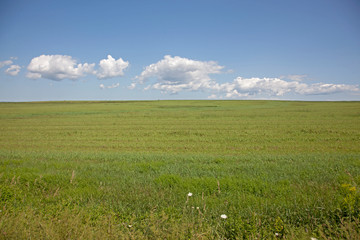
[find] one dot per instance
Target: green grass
(88, 170)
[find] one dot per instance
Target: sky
(179, 49)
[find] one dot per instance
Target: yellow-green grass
(90, 169)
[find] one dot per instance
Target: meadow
(180, 170)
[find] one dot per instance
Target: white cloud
(110, 67)
(213, 96)
(13, 70)
(251, 86)
(132, 86)
(326, 88)
(174, 74)
(115, 85)
(57, 67)
(242, 87)
(5, 63)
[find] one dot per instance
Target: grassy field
(124, 170)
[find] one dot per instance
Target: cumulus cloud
(58, 67)
(213, 96)
(174, 74)
(326, 88)
(115, 85)
(132, 86)
(13, 70)
(5, 63)
(242, 87)
(111, 68)
(251, 86)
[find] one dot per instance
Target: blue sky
(135, 50)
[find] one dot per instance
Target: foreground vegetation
(255, 170)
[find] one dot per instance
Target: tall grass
(83, 170)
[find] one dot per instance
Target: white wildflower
(277, 234)
(223, 216)
(130, 226)
(189, 194)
